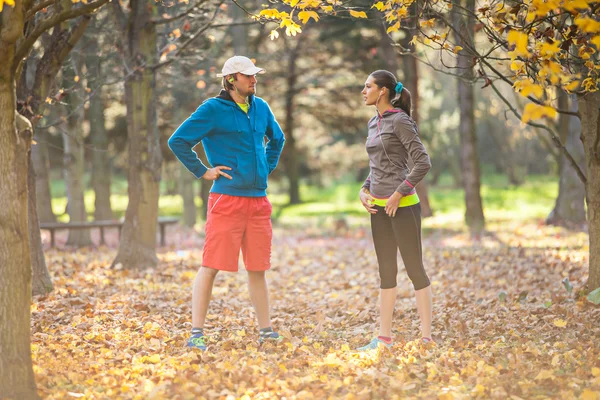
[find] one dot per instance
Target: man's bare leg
(259, 295)
(203, 284)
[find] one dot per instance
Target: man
(232, 128)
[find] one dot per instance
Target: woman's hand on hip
(367, 201)
(392, 204)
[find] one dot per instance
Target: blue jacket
(232, 138)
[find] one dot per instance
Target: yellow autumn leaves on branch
(549, 43)
(9, 2)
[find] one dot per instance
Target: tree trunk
(290, 152)
(589, 109)
(239, 33)
(289, 156)
(187, 185)
(569, 209)
(41, 281)
(137, 248)
(41, 167)
(204, 193)
(468, 137)
(101, 167)
(16, 370)
(73, 158)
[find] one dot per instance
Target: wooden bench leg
(102, 236)
(52, 243)
(162, 234)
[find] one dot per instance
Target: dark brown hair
(400, 100)
(226, 84)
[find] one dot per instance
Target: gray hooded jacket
(392, 139)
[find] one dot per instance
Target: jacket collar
(224, 95)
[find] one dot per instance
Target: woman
(389, 196)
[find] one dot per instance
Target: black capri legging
(403, 231)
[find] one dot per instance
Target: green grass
(534, 199)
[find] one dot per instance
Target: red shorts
(235, 222)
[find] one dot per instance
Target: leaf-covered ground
(505, 325)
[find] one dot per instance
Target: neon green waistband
(405, 201)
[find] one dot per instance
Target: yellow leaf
(588, 395)
(445, 396)
(560, 323)
(394, 28)
(327, 9)
(572, 5)
(270, 13)
(527, 88)
(358, 14)
(478, 390)
(517, 65)
(534, 111)
(309, 4)
(588, 24)
(291, 28)
(306, 15)
(9, 2)
(274, 34)
(176, 32)
(48, 99)
(596, 41)
(549, 49)
(379, 6)
(153, 359)
(457, 49)
(596, 371)
(544, 374)
(427, 24)
(520, 41)
(571, 86)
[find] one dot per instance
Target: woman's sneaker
(374, 344)
(270, 336)
(196, 341)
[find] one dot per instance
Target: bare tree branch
(25, 47)
(40, 6)
(553, 135)
(178, 16)
(187, 43)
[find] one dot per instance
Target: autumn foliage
(505, 325)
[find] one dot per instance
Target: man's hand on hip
(212, 174)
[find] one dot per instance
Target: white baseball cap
(240, 64)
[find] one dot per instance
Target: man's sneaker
(374, 344)
(196, 341)
(269, 337)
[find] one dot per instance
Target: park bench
(55, 226)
